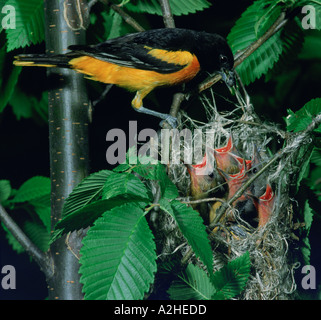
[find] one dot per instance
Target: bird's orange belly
(131, 78)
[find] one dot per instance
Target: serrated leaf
(42, 207)
(193, 284)
(118, 258)
(292, 38)
(29, 24)
(231, 279)
(306, 250)
(124, 184)
(168, 188)
(191, 225)
(85, 192)
(316, 157)
(147, 171)
(5, 190)
(122, 167)
(248, 28)
(165, 205)
(13, 242)
(33, 188)
(178, 7)
(38, 234)
(86, 215)
(304, 167)
(300, 120)
(311, 47)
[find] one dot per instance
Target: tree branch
(127, 18)
(42, 259)
(167, 14)
(241, 56)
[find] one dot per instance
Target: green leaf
(308, 216)
(178, 7)
(105, 24)
(230, 280)
(37, 234)
(86, 215)
(124, 184)
(193, 284)
(118, 258)
(312, 46)
(168, 188)
(147, 171)
(33, 188)
(122, 167)
(306, 250)
(87, 191)
(5, 190)
(292, 38)
(42, 207)
(8, 78)
(304, 167)
(191, 225)
(300, 120)
(25, 106)
(116, 24)
(248, 28)
(13, 242)
(2, 60)
(316, 157)
(21, 104)
(29, 24)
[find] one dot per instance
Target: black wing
(133, 50)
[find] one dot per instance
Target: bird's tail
(43, 60)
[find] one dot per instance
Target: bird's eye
(223, 59)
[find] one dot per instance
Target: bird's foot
(172, 121)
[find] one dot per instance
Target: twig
(42, 259)
(276, 26)
(203, 200)
(127, 18)
(167, 14)
(177, 100)
(240, 57)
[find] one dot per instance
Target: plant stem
(127, 18)
(42, 259)
(167, 14)
(240, 57)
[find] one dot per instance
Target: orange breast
(137, 79)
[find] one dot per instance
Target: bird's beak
(228, 77)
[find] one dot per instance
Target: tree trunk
(68, 138)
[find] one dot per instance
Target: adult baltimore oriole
(143, 61)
